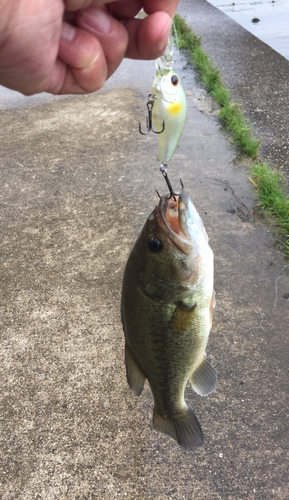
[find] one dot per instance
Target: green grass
(273, 196)
(230, 113)
(270, 183)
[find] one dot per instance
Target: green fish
(167, 311)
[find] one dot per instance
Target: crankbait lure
(167, 106)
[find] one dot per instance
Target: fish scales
(167, 304)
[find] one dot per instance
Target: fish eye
(155, 245)
(174, 80)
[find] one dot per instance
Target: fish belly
(165, 343)
(166, 355)
(154, 351)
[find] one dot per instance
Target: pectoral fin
(204, 379)
(134, 375)
(182, 317)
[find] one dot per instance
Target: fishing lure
(167, 106)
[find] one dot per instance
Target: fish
(167, 311)
(169, 108)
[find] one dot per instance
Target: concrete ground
(77, 183)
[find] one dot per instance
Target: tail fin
(185, 429)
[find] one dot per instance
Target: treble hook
(149, 121)
(164, 172)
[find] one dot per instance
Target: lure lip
(178, 239)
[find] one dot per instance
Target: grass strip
(269, 181)
(230, 113)
(273, 196)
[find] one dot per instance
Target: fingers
(148, 37)
(126, 9)
(111, 34)
(151, 6)
(88, 53)
(93, 42)
(84, 56)
(74, 5)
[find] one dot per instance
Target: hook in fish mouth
(164, 172)
(172, 211)
(163, 169)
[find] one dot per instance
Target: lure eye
(155, 245)
(174, 80)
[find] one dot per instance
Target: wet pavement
(266, 19)
(77, 183)
(256, 75)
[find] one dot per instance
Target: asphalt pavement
(77, 184)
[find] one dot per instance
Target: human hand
(74, 46)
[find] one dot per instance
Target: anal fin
(204, 379)
(184, 428)
(134, 375)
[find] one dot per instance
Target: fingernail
(97, 20)
(67, 32)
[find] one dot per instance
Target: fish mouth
(173, 224)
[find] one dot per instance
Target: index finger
(73, 5)
(127, 9)
(168, 6)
